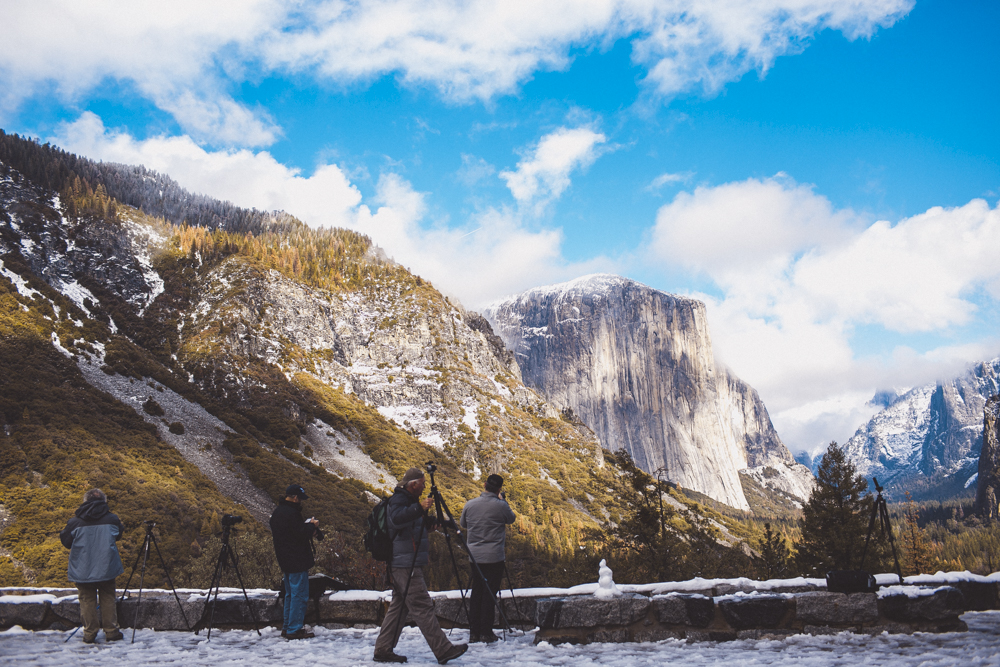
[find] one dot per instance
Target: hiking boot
(489, 638)
(301, 633)
(455, 651)
(90, 640)
(389, 657)
(114, 636)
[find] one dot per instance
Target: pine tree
(835, 518)
(916, 554)
(774, 554)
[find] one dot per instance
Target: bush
(176, 428)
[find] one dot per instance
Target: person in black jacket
(94, 562)
(292, 535)
(409, 527)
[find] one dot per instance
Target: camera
(231, 519)
(431, 468)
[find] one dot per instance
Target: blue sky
(824, 174)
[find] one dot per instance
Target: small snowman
(606, 588)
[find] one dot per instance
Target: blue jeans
(296, 599)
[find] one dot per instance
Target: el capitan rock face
(636, 366)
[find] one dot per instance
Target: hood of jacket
(92, 510)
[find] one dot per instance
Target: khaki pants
(108, 617)
(418, 602)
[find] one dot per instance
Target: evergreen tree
(774, 555)
(916, 553)
(835, 519)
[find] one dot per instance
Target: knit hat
(411, 475)
(494, 483)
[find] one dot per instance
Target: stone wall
(722, 611)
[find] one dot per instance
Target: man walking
(485, 520)
(409, 527)
(94, 563)
(292, 546)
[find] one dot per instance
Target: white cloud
(180, 55)
(188, 56)
(667, 179)
(797, 277)
(491, 255)
(544, 174)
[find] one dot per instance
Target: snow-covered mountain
(928, 439)
(636, 365)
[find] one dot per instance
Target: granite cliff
(636, 365)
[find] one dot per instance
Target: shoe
(389, 657)
(452, 653)
(114, 636)
(302, 633)
(284, 634)
(489, 638)
(89, 640)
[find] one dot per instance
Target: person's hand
(427, 502)
(314, 522)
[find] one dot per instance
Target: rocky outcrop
(928, 439)
(636, 366)
(988, 488)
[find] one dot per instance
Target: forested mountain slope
(193, 358)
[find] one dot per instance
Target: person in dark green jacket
(94, 562)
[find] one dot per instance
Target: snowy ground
(343, 648)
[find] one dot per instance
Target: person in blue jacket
(91, 537)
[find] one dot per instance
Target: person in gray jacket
(485, 520)
(410, 528)
(94, 562)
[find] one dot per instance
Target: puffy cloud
(186, 55)
(797, 279)
(544, 174)
(492, 254)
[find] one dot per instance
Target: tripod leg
(458, 576)
(246, 598)
(132, 574)
(884, 510)
(169, 581)
(868, 537)
(220, 564)
(510, 585)
(142, 579)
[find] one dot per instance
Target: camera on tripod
(431, 468)
(231, 519)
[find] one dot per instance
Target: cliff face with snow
(928, 440)
(636, 365)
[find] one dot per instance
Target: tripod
(881, 512)
(447, 522)
(144, 553)
(227, 556)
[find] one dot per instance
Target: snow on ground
(348, 647)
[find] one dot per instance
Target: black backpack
(377, 540)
